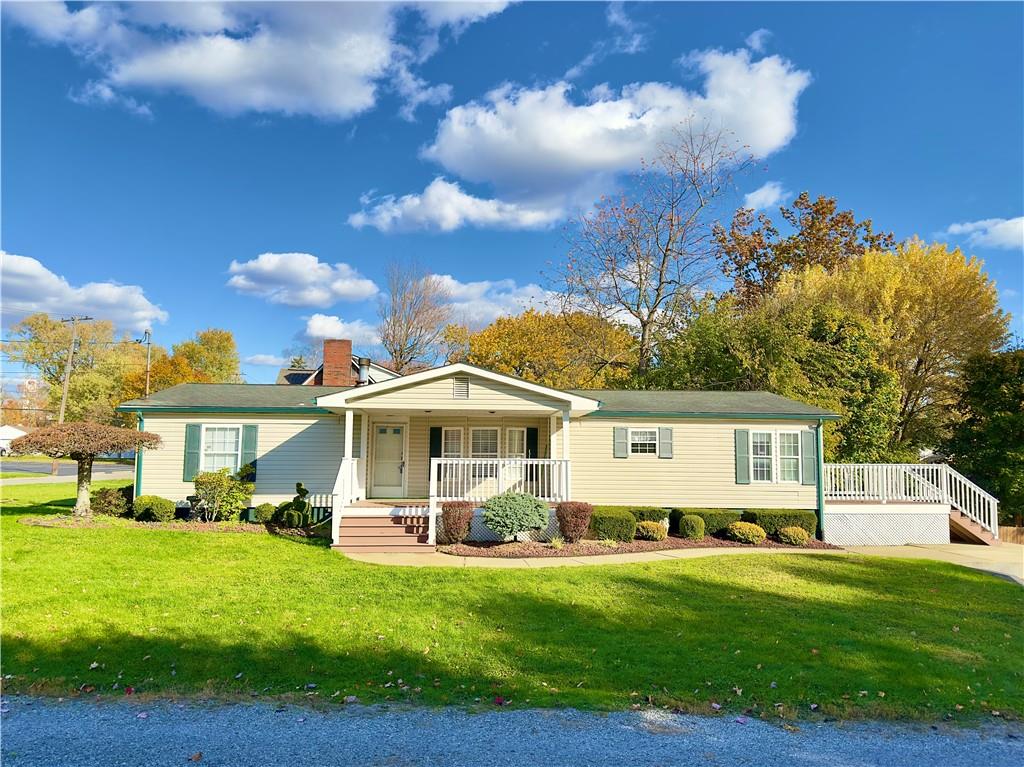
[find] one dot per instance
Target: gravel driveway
(79, 732)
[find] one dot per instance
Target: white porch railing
(477, 479)
(911, 483)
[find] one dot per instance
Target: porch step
(963, 527)
(384, 533)
(377, 548)
(382, 521)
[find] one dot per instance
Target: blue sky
(148, 148)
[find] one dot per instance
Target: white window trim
(202, 444)
(776, 457)
(629, 442)
(444, 440)
(508, 431)
(472, 431)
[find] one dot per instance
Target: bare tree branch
(413, 316)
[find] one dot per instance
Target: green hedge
(640, 513)
(611, 522)
(651, 531)
(715, 520)
(690, 526)
(745, 532)
(773, 520)
(153, 508)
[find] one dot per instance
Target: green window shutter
(532, 435)
(809, 457)
(664, 442)
(742, 456)
(435, 441)
(193, 437)
(620, 442)
(250, 439)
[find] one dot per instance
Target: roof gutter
(720, 416)
(221, 409)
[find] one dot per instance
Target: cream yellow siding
(438, 394)
(701, 473)
(290, 449)
(417, 459)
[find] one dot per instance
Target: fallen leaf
(238, 675)
(93, 665)
(715, 706)
(741, 720)
(196, 757)
(129, 690)
(142, 715)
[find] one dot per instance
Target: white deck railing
(911, 483)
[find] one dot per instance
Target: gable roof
(236, 398)
(756, 404)
(294, 376)
(301, 376)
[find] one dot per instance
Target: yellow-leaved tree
(930, 308)
(564, 351)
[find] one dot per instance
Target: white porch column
(350, 420)
(552, 422)
(566, 455)
(364, 440)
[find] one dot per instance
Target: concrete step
(967, 529)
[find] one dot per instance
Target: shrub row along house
(380, 452)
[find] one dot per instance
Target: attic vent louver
(460, 387)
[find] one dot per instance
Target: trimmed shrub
(612, 524)
(128, 492)
(715, 520)
(773, 520)
(640, 513)
(456, 517)
(293, 518)
(746, 532)
(691, 526)
(793, 536)
(509, 514)
(264, 512)
(573, 519)
(279, 511)
(651, 531)
(222, 495)
(109, 501)
(153, 508)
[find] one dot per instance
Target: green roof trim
(716, 415)
(225, 409)
(616, 403)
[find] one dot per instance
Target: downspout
(821, 479)
(138, 459)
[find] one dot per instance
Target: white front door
(388, 461)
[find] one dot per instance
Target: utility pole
(147, 339)
(74, 320)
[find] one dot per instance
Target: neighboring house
(8, 433)
(384, 455)
(337, 352)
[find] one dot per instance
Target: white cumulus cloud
(299, 279)
(766, 196)
(479, 303)
(547, 150)
(321, 326)
(266, 360)
(328, 60)
(444, 206)
(1004, 233)
(758, 40)
(30, 287)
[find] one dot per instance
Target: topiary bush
(691, 526)
(264, 513)
(293, 518)
(715, 520)
(793, 536)
(611, 523)
(773, 520)
(640, 513)
(746, 532)
(509, 514)
(109, 501)
(573, 519)
(456, 518)
(153, 508)
(651, 531)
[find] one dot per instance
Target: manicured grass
(170, 612)
(19, 474)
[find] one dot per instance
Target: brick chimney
(337, 363)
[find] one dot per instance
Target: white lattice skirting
(478, 531)
(885, 524)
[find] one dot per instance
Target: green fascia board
(716, 416)
(222, 409)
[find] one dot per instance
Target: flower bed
(589, 548)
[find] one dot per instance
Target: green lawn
(183, 613)
(18, 474)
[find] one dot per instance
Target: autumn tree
(986, 441)
(212, 354)
(165, 372)
(755, 255)
(82, 441)
(413, 315)
(642, 257)
(930, 309)
(29, 407)
(564, 351)
(455, 343)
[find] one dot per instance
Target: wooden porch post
(567, 490)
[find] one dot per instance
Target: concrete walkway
(1005, 559)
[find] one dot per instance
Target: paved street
(64, 468)
(84, 733)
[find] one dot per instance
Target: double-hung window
(789, 456)
(515, 442)
(643, 441)
(483, 443)
(761, 456)
(451, 442)
(222, 447)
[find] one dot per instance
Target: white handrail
(477, 479)
(912, 483)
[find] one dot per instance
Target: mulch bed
(99, 520)
(516, 550)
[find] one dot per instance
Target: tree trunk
(82, 506)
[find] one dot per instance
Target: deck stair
(966, 529)
(396, 532)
